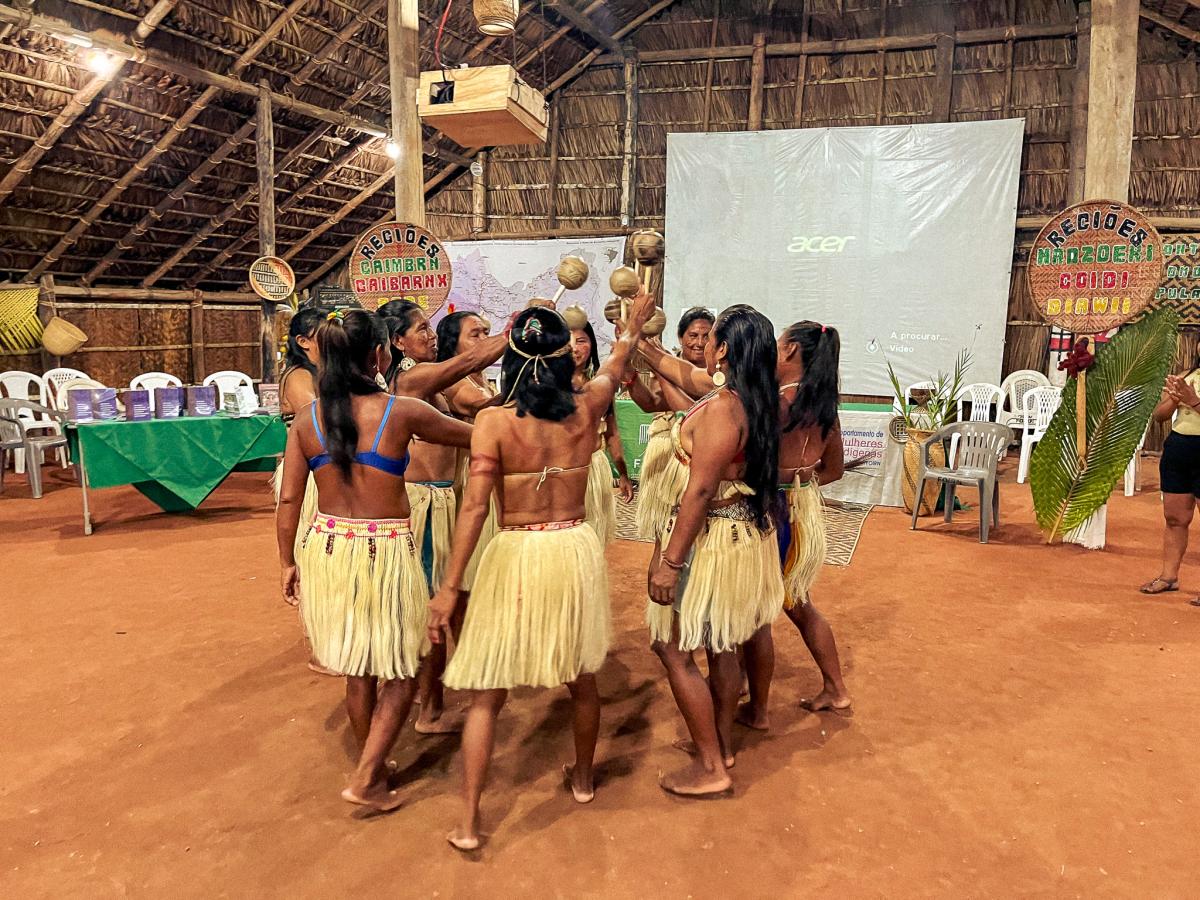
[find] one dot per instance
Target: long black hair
(593, 363)
(398, 316)
(347, 341)
(691, 315)
(537, 375)
(816, 401)
(751, 355)
(448, 332)
(303, 324)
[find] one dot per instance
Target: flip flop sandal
(1195, 601)
(1169, 585)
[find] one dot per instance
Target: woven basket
(912, 462)
(61, 338)
(497, 18)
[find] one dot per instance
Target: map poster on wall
(498, 278)
(1094, 266)
(1180, 288)
(399, 261)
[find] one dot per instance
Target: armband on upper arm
(484, 465)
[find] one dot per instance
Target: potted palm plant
(929, 409)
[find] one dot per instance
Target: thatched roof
(156, 213)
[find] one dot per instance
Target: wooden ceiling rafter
(1177, 28)
(231, 143)
(582, 23)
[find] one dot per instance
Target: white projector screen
(899, 236)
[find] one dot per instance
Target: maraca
(576, 317)
(648, 248)
(572, 275)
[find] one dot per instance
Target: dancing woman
(539, 614)
(601, 507)
(810, 455)
(365, 599)
(416, 372)
(714, 579)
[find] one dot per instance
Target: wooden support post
(197, 336)
(1009, 53)
(629, 148)
(47, 309)
(943, 87)
(1079, 104)
(265, 159)
(479, 193)
(801, 75)
(708, 72)
(552, 175)
(1112, 78)
(404, 70)
(881, 64)
(758, 71)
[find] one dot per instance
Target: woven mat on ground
(843, 525)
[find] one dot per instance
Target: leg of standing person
(368, 785)
(818, 637)
(1178, 510)
(360, 706)
(479, 737)
(725, 683)
(585, 706)
(706, 775)
(759, 653)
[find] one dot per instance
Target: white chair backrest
(54, 379)
(1018, 384)
(18, 385)
(908, 395)
(229, 380)
(1041, 403)
(148, 381)
(62, 399)
(981, 396)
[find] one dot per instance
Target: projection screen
(900, 236)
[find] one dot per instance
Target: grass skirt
(308, 507)
(806, 548)
(430, 503)
(539, 613)
(733, 587)
(364, 597)
(600, 506)
(654, 509)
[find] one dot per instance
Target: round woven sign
(272, 278)
(1094, 266)
(398, 261)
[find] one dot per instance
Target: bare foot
(376, 797)
(697, 782)
(315, 666)
(437, 724)
(581, 789)
(827, 699)
(751, 718)
(689, 747)
(460, 839)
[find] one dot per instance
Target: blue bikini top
(370, 458)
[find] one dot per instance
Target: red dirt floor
(1024, 725)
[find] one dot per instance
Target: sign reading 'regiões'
(1095, 266)
(399, 261)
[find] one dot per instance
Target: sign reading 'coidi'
(1094, 266)
(399, 261)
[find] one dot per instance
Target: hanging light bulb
(102, 63)
(392, 149)
(497, 18)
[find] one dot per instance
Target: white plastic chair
(1131, 470)
(54, 380)
(18, 385)
(64, 392)
(1014, 388)
(148, 381)
(1041, 404)
(228, 380)
(982, 397)
(908, 393)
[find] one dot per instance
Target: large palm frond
(1122, 389)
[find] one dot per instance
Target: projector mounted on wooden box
(485, 106)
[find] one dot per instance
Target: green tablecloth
(176, 463)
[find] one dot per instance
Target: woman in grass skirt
(357, 575)
(539, 614)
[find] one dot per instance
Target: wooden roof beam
(231, 143)
(77, 105)
(163, 144)
(585, 25)
(1163, 22)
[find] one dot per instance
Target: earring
(719, 379)
(407, 363)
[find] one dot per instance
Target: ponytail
(816, 401)
(347, 340)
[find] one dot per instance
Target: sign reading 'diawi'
(399, 261)
(1094, 266)
(901, 237)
